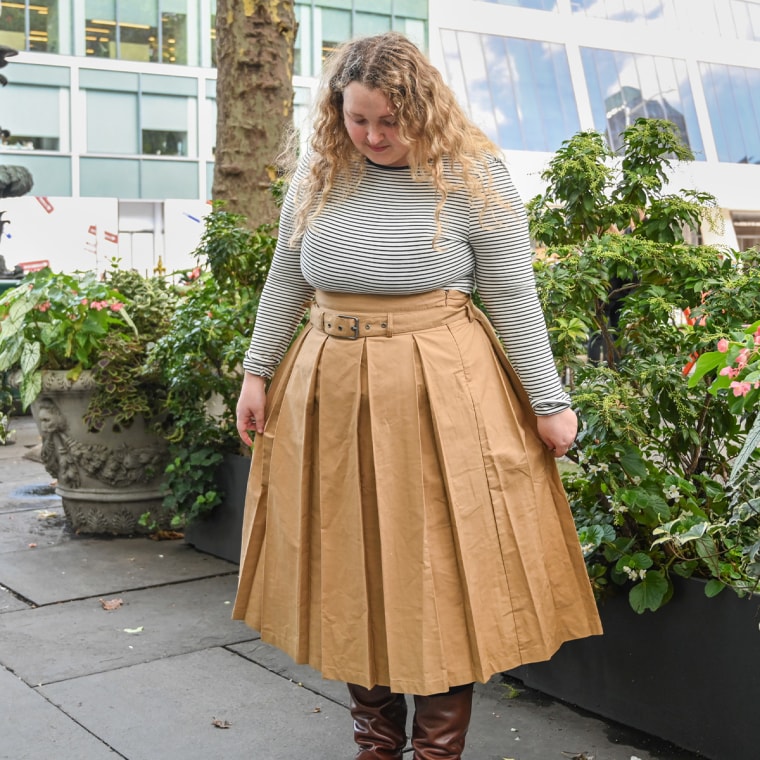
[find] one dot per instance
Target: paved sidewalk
(168, 676)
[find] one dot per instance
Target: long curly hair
(445, 147)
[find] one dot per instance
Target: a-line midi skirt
(405, 525)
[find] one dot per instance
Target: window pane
(21, 108)
(100, 28)
(109, 177)
(169, 179)
(174, 39)
(639, 11)
(370, 23)
(51, 174)
(733, 102)
(518, 91)
(335, 26)
(111, 122)
(165, 125)
(625, 86)
(43, 25)
(138, 30)
(13, 26)
(539, 5)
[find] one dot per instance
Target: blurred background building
(111, 103)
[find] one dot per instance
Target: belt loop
(445, 297)
(389, 330)
(470, 306)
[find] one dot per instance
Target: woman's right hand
(251, 407)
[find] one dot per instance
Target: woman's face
(371, 126)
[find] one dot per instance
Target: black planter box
(688, 673)
(220, 531)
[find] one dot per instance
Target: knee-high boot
(379, 722)
(440, 724)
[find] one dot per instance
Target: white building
(111, 103)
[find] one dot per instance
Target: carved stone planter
(106, 480)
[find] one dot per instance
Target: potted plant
(634, 312)
(76, 343)
(200, 357)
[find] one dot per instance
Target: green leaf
(713, 587)
(706, 363)
(650, 593)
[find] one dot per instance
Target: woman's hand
(558, 431)
(251, 407)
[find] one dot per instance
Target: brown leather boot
(379, 722)
(440, 724)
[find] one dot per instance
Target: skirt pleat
(405, 525)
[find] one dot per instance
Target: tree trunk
(254, 98)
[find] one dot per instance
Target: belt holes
(329, 324)
(340, 327)
(383, 325)
(367, 327)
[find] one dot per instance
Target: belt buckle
(354, 328)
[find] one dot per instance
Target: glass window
(733, 102)
(626, 86)
(518, 91)
(169, 179)
(21, 108)
(51, 174)
(539, 5)
(100, 28)
(641, 11)
(109, 177)
(164, 122)
(138, 30)
(174, 32)
(112, 122)
(26, 25)
(334, 26)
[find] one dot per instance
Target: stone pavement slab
(82, 567)
(9, 603)
(166, 709)
(31, 528)
(37, 730)
(79, 638)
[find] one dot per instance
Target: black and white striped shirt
(379, 239)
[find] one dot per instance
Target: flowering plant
(77, 322)
(653, 481)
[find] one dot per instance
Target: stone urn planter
(106, 480)
(688, 673)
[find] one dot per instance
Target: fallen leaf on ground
(578, 756)
(166, 535)
(219, 723)
(111, 604)
(46, 514)
(133, 630)
(32, 546)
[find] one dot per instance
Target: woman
(406, 530)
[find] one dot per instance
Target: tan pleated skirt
(405, 526)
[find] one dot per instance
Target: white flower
(672, 493)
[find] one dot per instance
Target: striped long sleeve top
(378, 238)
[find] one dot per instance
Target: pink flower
(741, 359)
(740, 388)
(43, 306)
(84, 302)
(116, 306)
(99, 305)
(210, 314)
(723, 345)
(729, 371)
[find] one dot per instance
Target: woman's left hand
(558, 431)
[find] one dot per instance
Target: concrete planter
(106, 480)
(688, 673)
(220, 532)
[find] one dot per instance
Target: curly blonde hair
(445, 147)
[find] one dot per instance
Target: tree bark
(254, 95)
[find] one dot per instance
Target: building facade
(111, 103)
